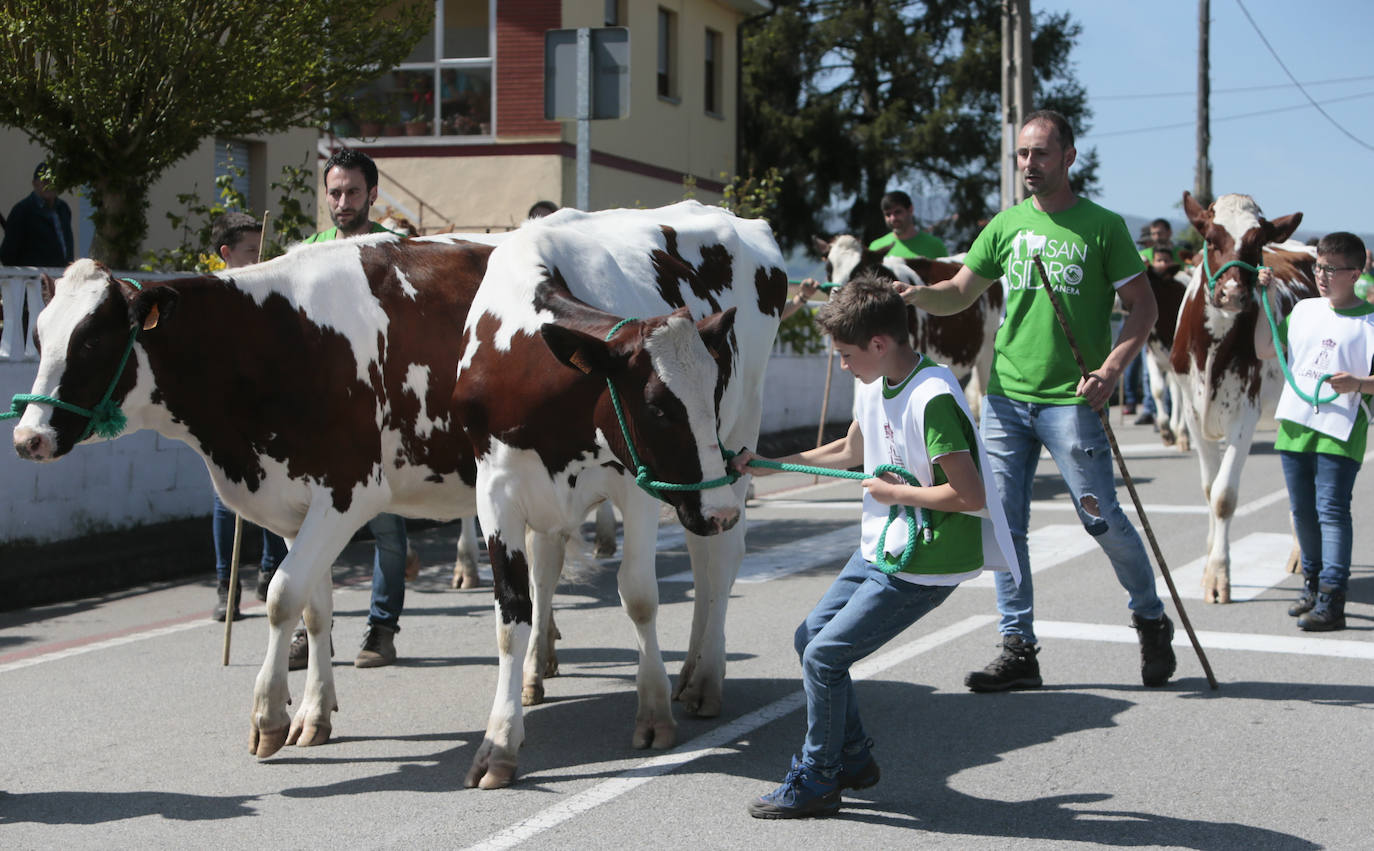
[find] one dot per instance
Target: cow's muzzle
(35, 444)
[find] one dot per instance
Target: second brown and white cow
(665, 317)
(1226, 386)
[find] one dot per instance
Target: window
(667, 54)
(443, 88)
(615, 13)
(713, 72)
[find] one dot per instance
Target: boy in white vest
(909, 413)
(1330, 343)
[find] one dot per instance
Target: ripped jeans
(1014, 432)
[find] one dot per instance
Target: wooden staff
(1125, 474)
(238, 520)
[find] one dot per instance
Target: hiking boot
(1157, 662)
(1146, 418)
(224, 603)
(300, 649)
(803, 794)
(1328, 614)
(379, 647)
(1016, 668)
(1307, 600)
(264, 580)
(858, 770)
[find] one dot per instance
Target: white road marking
(713, 742)
(117, 641)
(1294, 644)
(1258, 563)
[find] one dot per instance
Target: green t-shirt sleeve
(946, 430)
(1121, 259)
(985, 257)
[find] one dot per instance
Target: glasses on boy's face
(1328, 271)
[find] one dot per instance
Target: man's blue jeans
(863, 610)
(1319, 491)
(388, 570)
(222, 528)
(1014, 432)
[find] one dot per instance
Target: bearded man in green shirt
(1037, 396)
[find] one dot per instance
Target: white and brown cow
(1168, 284)
(1225, 385)
(962, 341)
(318, 388)
(677, 309)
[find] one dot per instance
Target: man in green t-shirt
(1036, 395)
(906, 239)
(350, 184)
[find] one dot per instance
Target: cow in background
(1169, 284)
(962, 341)
(1225, 385)
(676, 309)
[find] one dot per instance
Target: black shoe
(223, 602)
(1304, 603)
(264, 580)
(1157, 662)
(1327, 615)
(1146, 418)
(1016, 668)
(858, 770)
(300, 649)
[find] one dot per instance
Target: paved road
(123, 730)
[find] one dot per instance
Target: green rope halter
(1213, 278)
(919, 519)
(105, 419)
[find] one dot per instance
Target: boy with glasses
(1330, 343)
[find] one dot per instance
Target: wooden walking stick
(1130, 483)
(238, 522)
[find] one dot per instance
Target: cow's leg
(546, 564)
(638, 586)
(1178, 415)
(494, 764)
(605, 530)
(465, 566)
(715, 562)
(1159, 388)
(303, 581)
(1216, 576)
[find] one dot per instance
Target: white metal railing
(18, 283)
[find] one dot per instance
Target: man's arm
(1137, 297)
(946, 297)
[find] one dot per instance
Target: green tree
(845, 97)
(118, 90)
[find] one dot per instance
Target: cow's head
(1235, 233)
(82, 337)
(845, 256)
(667, 376)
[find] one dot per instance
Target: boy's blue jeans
(1013, 432)
(863, 610)
(1319, 492)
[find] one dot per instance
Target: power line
(1193, 93)
(1227, 118)
(1357, 140)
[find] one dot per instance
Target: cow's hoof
(659, 735)
(605, 550)
(532, 695)
(466, 582)
(264, 743)
(699, 702)
(551, 666)
(306, 735)
(492, 768)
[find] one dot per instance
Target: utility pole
(1016, 92)
(1202, 180)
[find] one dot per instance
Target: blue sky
(1289, 161)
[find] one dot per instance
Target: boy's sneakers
(1157, 662)
(803, 794)
(858, 770)
(299, 657)
(1016, 668)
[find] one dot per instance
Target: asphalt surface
(123, 730)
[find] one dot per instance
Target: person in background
(905, 239)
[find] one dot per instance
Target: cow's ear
(583, 352)
(820, 246)
(1281, 228)
(47, 286)
(151, 306)
(1197, 214)
(715, 331)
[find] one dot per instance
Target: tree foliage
(119, 90)
(849, 97)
